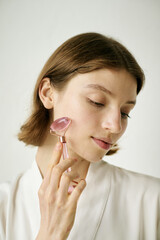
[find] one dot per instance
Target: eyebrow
(103, 89)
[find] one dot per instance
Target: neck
(44, 158)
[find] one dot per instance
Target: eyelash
(97, 104)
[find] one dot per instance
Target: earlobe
(46, 93)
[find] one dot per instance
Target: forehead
(115, 81)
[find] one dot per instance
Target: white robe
(115, 205)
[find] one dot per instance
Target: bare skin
(45, 152)
(94, 113)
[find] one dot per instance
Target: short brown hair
(80, 54)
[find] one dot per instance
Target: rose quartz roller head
(59, 128)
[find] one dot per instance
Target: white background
(31, 30)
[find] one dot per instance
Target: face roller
(59, 128)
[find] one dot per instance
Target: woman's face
(98, 104)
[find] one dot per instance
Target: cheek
(124, 127)
(82, 126)
(80, 113)
(83, 118)
(82, 123)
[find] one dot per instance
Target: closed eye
(125, 115)
(99, 105)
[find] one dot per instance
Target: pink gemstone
(60, 125)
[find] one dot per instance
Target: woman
(94, 81)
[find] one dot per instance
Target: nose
(112, 121)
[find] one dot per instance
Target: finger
(54, 160)
(65, 182)
(57, 172)
(77, 192)
(56, 155)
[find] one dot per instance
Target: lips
(102, 143)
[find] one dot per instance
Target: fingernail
(70, 189)
(82, 180)
(68, 170)
(83, 183)
(58, 146)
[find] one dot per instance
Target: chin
(95, 158)
(85, 150)
(91, 155)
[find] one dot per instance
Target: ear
(46, 93)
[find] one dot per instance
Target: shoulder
(135, 177)
(7, 188)
(7, 200)
(135, 182)
(19, 199)
(4, 198)
(4, 195)
(4, 189)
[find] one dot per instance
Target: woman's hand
(57, 204)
